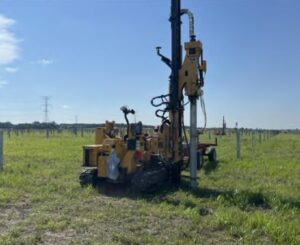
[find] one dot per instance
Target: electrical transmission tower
(46, 111)
(46, 107)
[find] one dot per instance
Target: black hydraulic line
(187, 142)
(201, 72)
(127, 124)
(162, 98)
(162, 101)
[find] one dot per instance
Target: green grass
(255, 200)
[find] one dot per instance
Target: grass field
(255, 200)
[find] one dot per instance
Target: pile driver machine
(147, 161)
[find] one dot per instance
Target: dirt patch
(12, 214)
(62, 237)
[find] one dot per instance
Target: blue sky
(93, 56)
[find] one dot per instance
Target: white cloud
(8, 42)
(3, 83)
(11, 69)
(45, 62)
(66, 107)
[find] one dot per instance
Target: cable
(202, 104)
(201, 75)
(186, 141)
(186, 103)
(163, 100)
(160, 113)
(191, 21)
(184, 133)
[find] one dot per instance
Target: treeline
(43, 125)
(61, 126)
(55, 126)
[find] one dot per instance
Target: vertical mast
(175, 103)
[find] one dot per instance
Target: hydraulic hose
(191, 22)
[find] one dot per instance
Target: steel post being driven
(238, 144)
(193, 142)
(1, 150)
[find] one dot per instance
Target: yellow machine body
(106, 142)
(188, 74)
(90, 155)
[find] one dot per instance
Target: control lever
(126, 110)
(164, 59)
